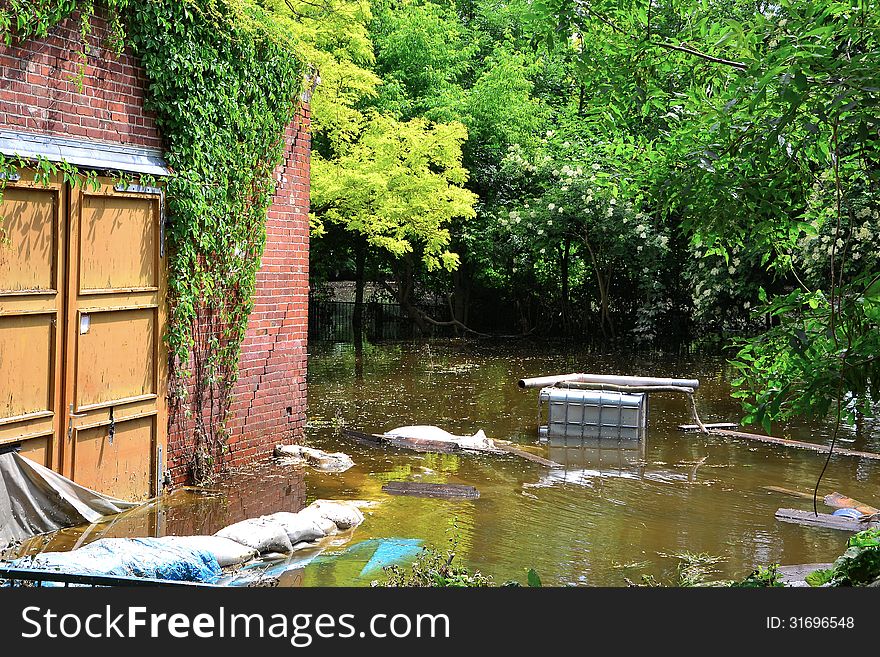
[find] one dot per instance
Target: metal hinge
(138, 189)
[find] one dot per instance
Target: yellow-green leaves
(399, 186)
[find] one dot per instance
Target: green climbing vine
(224, 83)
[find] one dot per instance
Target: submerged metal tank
(578, 413)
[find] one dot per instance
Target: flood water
(615, 511)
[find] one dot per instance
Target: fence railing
(333, 321)
(21, 577)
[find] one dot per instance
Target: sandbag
(326, 525)
(343, 514)
(258, 533)
(300, 528)
(130, 557)
(329, 461)
(226, 551)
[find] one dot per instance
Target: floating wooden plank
(419, 489)
(444, 446)
(840, 501)
(825, 520)
(794, 443)
(714, 425)
(362, 437)
(788, 491)
(507, 447)
(424, 444)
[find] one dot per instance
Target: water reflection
(610, 506)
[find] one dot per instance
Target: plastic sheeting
(131, 557)
(35, 500)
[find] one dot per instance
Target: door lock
(70, 417)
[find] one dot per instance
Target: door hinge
(138, 189)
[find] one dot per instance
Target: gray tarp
(35, 500)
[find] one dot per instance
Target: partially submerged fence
(333, 321)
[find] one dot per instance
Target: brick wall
(269, 404)
(39, 93)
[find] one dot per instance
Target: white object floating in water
(478, 441)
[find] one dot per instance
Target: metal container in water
(575, 413)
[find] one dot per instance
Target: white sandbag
(344, 515)
(326, 525)
(330, 461)
(258, 533)
(225, 550)
(427, 432)
(299, 528)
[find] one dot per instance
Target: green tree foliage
(766, 118)
(398, 185)
(389, 179)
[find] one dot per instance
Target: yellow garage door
(82, 362)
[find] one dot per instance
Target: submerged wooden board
(443, 446)
(715, 425)
(840, 451)
(787, 491)
(794, 575)
(510, 449)
(419, 489)
(825, 520)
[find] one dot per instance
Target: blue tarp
(130, 557)
(391, 551)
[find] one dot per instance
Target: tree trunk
(358, 316)
(563, 271)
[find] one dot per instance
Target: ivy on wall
(224, 84)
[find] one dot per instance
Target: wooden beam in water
(840, 501)
(444, 446)
(824, 520)
(716, 425)
(795, 443)
(420, 489)
(505, 446)
(788, 491)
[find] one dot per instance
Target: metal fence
(333, 321)
(20, 577)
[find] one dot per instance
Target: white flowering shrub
(572, 221)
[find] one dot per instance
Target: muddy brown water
(613, 512)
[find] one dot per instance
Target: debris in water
(316, 458)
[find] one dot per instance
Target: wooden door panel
(118, 244)
(28, 259)
(32, 238)
(115, 354)
(119, 345)
(37, 450)
(27, 354)
(121, 465)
